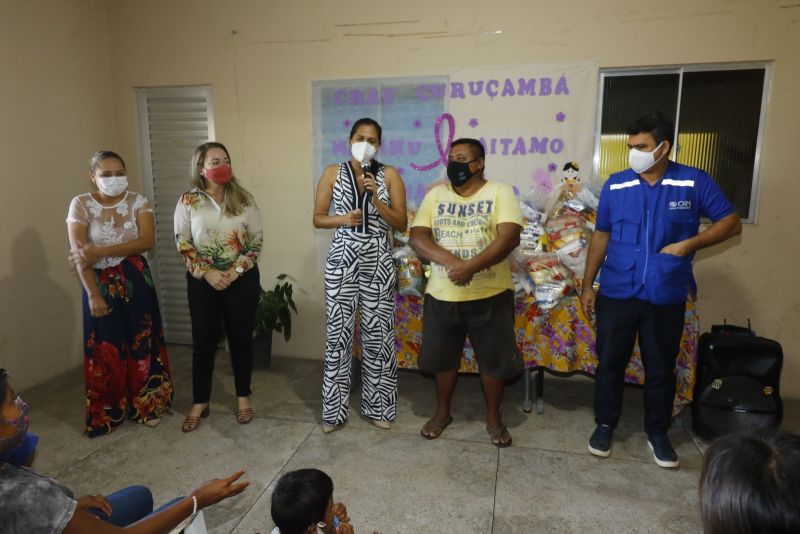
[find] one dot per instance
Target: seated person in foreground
(20, 446)
(751, 484)
(30, 502)
(303, 503)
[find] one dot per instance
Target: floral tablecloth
(561, 340)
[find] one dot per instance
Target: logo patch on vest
(680, 205)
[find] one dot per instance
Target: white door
(172, 122)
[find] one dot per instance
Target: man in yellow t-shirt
(467, 229)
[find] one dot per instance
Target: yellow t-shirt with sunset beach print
(465, 226)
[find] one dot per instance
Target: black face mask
(458, 172)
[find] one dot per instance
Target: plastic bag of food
(531, 214)
(547, 295)
(546, 268)
(522, 284)
(533, 238)
(588, 197)
(402, 238)
(549, 279)
(565, 228)
(575, 201)
(590, 200)
(533, 205)
(517, 262)
(410, 273)
(573, 255)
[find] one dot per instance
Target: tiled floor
(395, 481)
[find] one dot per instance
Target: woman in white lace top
(127, 368)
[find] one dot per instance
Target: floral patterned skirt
(126, 367)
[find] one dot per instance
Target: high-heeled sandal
(244, 415)
(383, 425)
(327, 429)
(191, 423)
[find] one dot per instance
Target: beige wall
(55, 112)
(260, 58)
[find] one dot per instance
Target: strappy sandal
(244, 415)
(191, 423)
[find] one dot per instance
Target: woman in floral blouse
(126, 366)
(218, 232)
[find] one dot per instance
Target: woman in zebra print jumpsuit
(359, 273)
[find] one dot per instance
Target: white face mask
(641, 161)
(363, 152)
(112, 185)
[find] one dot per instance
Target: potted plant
(273, 313)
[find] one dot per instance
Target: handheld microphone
(366, 166)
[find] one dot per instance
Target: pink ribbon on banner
(451, 122)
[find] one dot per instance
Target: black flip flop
(497, 433)
(441, 429)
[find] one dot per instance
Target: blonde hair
(236, 197)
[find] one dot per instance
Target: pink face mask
(220, 175)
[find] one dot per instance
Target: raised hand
(340, 511)
(371, 185)
(218, 489)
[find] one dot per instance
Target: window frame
(680, 70)
(161, 272)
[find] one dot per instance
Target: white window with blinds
(172, 122)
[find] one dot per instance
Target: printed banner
(532, 120)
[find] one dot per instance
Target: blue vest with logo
(641, 220)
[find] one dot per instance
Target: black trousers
(659, 329)
(208, 307)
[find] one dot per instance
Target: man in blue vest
(645, 240)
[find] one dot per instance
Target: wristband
(194, 505)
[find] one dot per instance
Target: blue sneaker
(663, 453)
(600, 442)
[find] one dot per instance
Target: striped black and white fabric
(359, 274)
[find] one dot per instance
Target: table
(561, 340)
